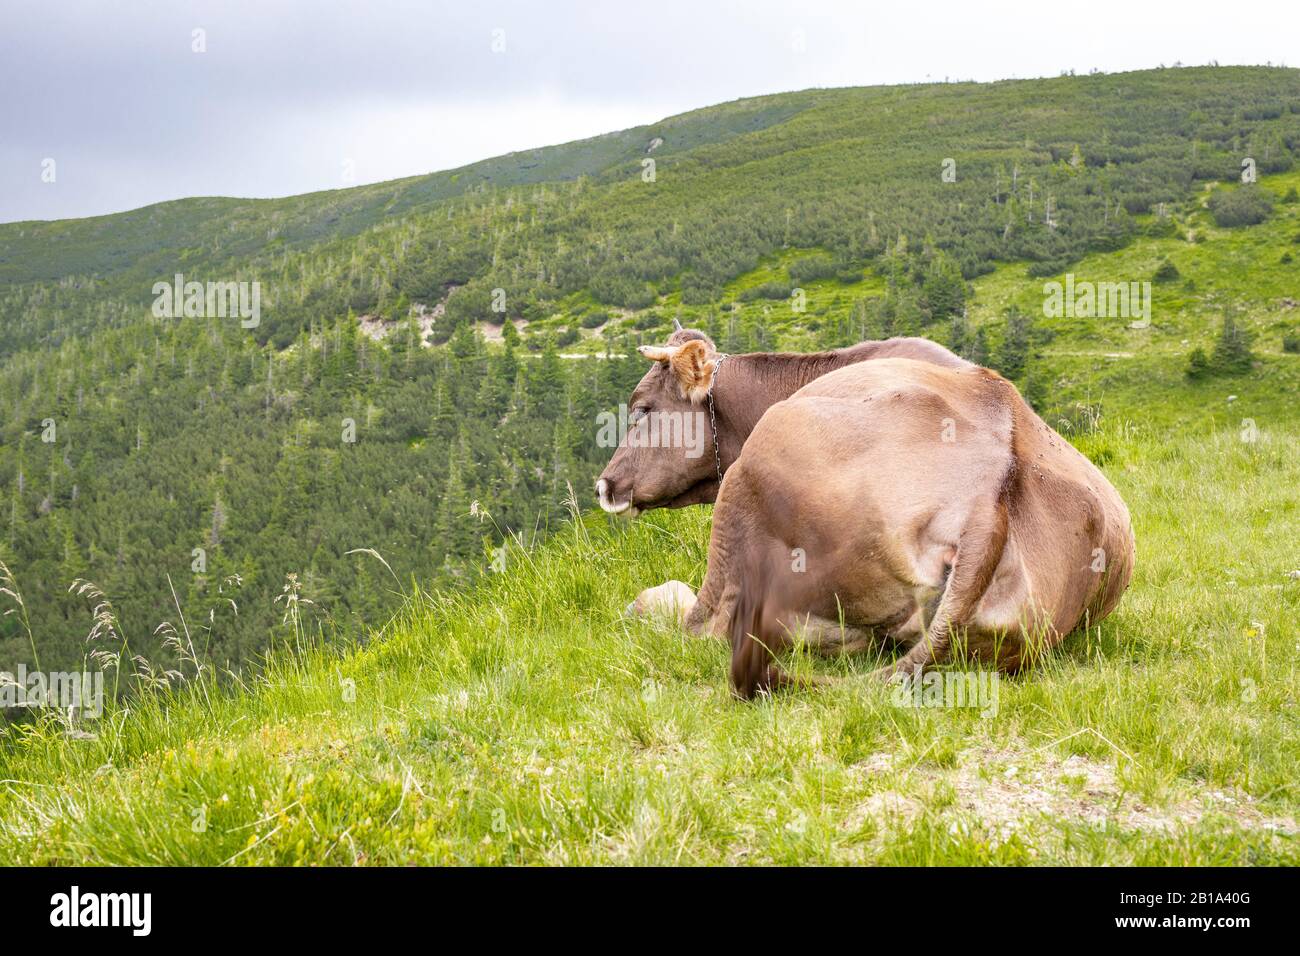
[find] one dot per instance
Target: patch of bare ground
(1008, 790)
(373, 327)
(496, 333)
(377, 329)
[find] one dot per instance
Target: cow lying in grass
(892, 492)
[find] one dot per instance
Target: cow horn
(677, 326)
(657, 353)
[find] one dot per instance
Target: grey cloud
(113, 92)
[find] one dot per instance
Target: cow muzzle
(608, 498)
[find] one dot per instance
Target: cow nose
(605, 492)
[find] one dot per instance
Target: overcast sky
(291, 96)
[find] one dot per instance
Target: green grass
(526, 722)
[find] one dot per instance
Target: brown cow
(916, 502)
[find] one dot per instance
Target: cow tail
(756, 634)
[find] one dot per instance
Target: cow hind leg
(978, 552)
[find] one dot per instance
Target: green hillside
(525, 722)
(852, 172)
(212, 232)
(203, 474)
(355, 674)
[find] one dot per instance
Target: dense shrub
(1232, 355)
(811, 268)
(1166, 272)
(768, 290)
(1013, 356)
(1198, 364)
(1048, 267)
(1162, 227)
(699, 290)
(1244, 206)
(1232, 350)
(943, 289)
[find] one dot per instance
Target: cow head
(666, 458)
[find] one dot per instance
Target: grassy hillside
(854, 171)
(526, 722)
(222, 228)
(515, 716)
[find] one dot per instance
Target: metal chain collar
(713, 417)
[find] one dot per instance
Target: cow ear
(693, 364)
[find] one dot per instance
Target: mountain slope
(446, 686)
(103, 246)
(854, 172)
(525, 722)
(191, 466)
